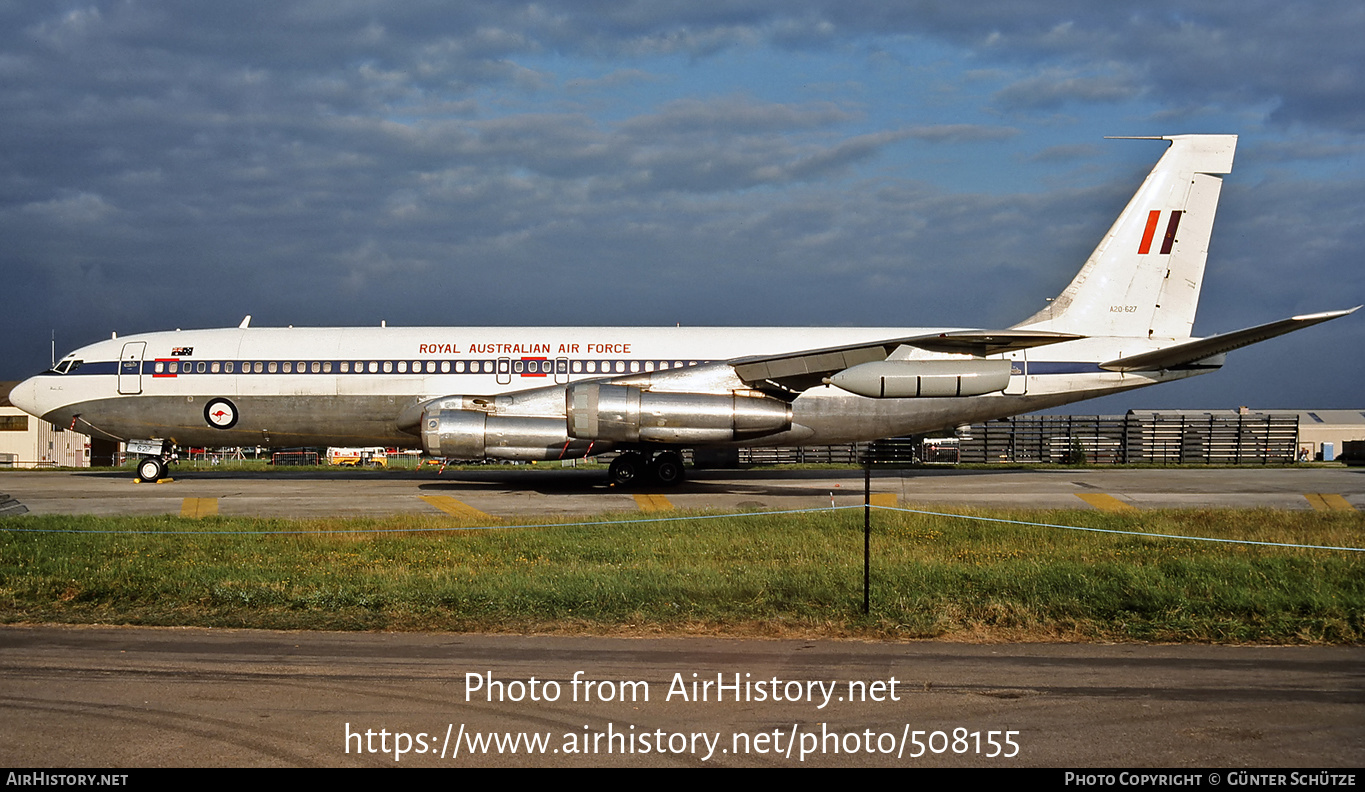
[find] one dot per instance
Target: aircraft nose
(25, 397)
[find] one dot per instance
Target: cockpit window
(67, 366)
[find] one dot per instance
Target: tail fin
(1143, 279)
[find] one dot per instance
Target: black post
(867, 539)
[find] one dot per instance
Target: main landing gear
(664, 468)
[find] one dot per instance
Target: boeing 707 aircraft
(528, 393)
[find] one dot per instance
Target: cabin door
(1018, 373)
(130, 368)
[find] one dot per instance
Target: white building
(1317, 427)
(28, 442)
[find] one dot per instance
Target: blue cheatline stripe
(1043, 367)
(487, 365)
(638, 521)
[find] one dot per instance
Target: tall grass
(779, 575)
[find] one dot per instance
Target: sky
(751, 162)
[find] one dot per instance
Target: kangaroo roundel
(220, 414)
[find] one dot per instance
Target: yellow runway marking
(199, 507)
(451, 506)
(883, 499)
(1328, 501)
(1105, 502)
(653, 503)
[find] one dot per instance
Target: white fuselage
(348, 386)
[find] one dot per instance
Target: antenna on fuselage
(245, 323)
(54, 347)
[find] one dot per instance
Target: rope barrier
(1124, 533)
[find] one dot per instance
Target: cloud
(170, 164)
(73, 209)
(1066, 153)
(1054, 88)
(960, 133)
(613, 80)
(733, 115)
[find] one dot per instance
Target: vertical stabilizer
(1143, 279)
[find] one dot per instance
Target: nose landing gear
(157, 455)
(151, 469)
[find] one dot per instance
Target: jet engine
(900, 379)
(472, 434)
(627, 414)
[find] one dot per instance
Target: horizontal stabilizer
(1192, 351)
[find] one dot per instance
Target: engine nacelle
(626, 414)
(901, 379)
(471, 434)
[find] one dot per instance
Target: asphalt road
(145, 697)
(507, 492)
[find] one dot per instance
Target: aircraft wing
(989, 342)
(797, 371)
(1193, 351)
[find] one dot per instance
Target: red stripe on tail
(1149, 232)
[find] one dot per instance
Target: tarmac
(147, 697)
(506, 492)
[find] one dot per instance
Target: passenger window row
(539, 367)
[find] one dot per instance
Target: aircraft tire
(626, 469)
(667, 469)
(151, 469)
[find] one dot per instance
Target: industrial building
(1227, 437)
(1321, 433)
(1221, 437)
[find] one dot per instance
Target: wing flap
(808, 364)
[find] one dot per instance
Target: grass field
(750, 575)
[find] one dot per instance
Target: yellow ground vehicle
(358, 457)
